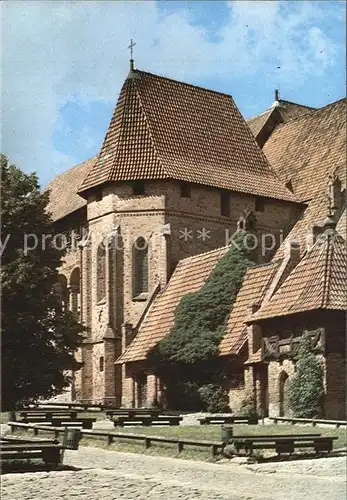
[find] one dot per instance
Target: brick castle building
(178, 172)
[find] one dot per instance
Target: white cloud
(59, 51)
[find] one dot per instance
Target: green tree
(186, 360)
(38, 338)
(305, 391)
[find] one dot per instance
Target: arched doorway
(283, 390)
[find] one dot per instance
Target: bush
(305, 391)
(248, 409)
(214, 398)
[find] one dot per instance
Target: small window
(138, 188)
(101, 363)
(140, 267)
(225, 204)
(259, 204)
(98, 195)
(185, 190)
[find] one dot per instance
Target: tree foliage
(305, 391)
(188, 355)
(38, 338)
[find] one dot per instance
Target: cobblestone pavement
(107, 475)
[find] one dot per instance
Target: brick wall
(145, 216)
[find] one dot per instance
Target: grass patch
(208, 433)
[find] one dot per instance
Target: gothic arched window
(140, 267)
(75, 292)
(101, 273)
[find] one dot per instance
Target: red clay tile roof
(306, 151)
(257, 123)
(160, 317)
(286, 111)
(317, 282)
(255, 284)
(63, 190)
(162, 128)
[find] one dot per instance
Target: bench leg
(214, 450)
(179, 446)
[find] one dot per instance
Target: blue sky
(64, 63)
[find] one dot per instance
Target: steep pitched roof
(160, 318)
(306, 151)
(162, 128)
(63, 198)
(254, 286)
(317, 282)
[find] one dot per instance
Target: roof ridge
(121, 127)
(184, 83)
(297, 104)
(138, 93)
(326, 282)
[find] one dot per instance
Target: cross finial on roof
(131, 46)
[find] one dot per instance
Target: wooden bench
(312, 421)
(225, 420)
(121, 421)
(50, 453)
(133, 412)
(48, 415)
(283, 444)
(60, 421)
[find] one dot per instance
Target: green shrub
(305, 391)
(214, 398)
(248, 408)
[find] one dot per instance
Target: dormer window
(185, 190)
(138, 188)
(259, 204)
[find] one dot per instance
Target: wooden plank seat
(121, 421)
(132, 412)
(223, 420)
(48, 452)
(29, 414)
(283, 444)
(61, 421)
(13, 439)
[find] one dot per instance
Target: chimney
(277, 95)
